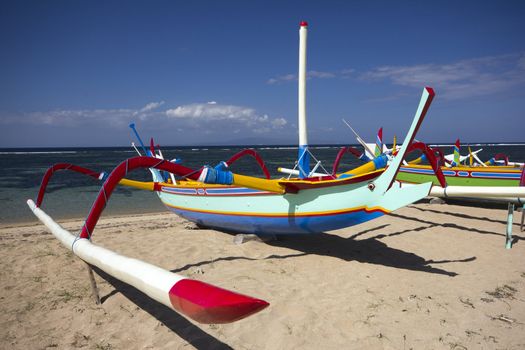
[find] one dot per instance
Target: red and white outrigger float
(218, 198)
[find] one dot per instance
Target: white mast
(303, 156)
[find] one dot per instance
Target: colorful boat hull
(266, 213)
(462, 176)
(237, 209)
(313, 206)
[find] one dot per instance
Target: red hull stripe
(314, 183)
(205, 303)
(283, 215)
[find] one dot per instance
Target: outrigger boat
(495, 172)
(218, 198)
(457, 169)
(455, 175)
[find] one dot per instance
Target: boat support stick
(508, 243)
(522, 216)
(94, 288)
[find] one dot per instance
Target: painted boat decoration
(218, 198)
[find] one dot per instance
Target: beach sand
(430, 276)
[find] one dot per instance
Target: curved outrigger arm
(64, 166)
(341, 153)
(254, 154)
(205, 174)
(435, 162)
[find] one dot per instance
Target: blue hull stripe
(277, 225)
(496, 175)
(426, 171)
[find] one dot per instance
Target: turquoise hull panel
(310, 211)
(268, 225)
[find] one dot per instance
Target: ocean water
(70, 195)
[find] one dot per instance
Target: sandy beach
(430, 276)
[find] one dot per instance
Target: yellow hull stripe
(313, 213)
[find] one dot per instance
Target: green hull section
(456, 180)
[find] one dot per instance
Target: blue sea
(70, 195)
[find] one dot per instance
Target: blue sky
(76, 73)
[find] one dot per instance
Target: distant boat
(466, 170)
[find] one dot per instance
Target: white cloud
(207, 111)
(461, 79)
(279, 122)
(347, 73)
(281, 78)
(454, 80)
(321, 75)
(521, 62)
(72, 118)
(207, 118)
(293, 77)
(151, 106)
(144, 111)
(200, 114)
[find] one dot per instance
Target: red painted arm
(63, 166)
(342, 151)
(120, 172)
(502, 156)
(254, 154)
(434, 162)
(111, 182)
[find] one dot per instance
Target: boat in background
(457, 169)
(466, 170)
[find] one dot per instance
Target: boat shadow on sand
(470, 216)
(178, 324)
(370, 250)
(515, 238)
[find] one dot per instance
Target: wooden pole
(94, 288)
(508, 243)
(522, 215)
